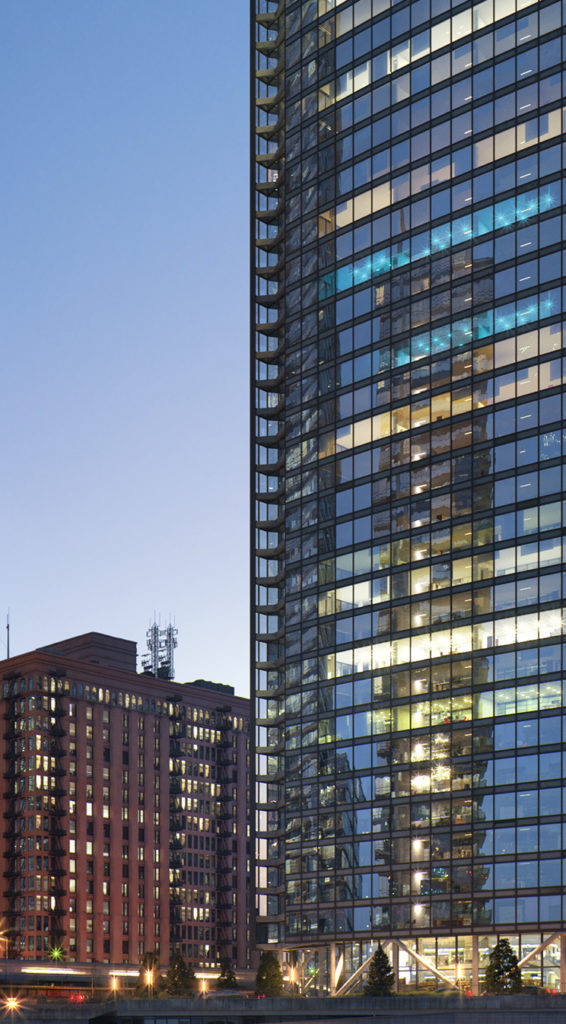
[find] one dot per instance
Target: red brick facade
(126, 810)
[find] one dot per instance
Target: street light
(12, 1004)
(292, 978)
(204, 988)
(149, 980)
(114, 985)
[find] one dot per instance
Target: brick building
(126, 810)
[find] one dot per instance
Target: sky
(124, 325)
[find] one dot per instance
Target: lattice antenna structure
(161, 643)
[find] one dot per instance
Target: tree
(269, 979)
(149, 975)
(380, 979)
(227, 977)
(503, 973)
(181, 979)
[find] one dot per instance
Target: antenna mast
(161, 644)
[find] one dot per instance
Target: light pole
(460, 979)
(292, 978)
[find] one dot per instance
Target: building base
(427, 963)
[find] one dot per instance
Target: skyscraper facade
(407, 484)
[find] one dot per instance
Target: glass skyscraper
(407, 368)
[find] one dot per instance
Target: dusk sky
(124, 325)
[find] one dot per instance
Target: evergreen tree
(181, 979)
(503, 973)
(269, 979)
(227, 977)
(380, 979)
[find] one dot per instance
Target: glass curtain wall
(407, 371)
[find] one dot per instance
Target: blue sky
(124, 324)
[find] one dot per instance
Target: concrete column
(332, 968)
(563, 964)
(395, 963)
(475, 966)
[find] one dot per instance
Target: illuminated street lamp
(12, 1004)
(204, 988)
(114, 985)
(292, 978)
(149, 980)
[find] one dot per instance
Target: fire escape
(49, 814)
(224, 835)
(56, 815)
(14, 775)
(178, 826)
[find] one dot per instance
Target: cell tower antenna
(161, 644)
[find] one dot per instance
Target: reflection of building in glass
(408, 484)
